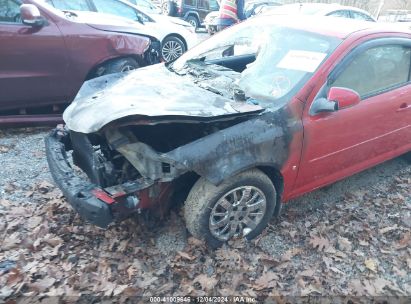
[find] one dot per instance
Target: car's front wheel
(239, 207)
(172, 48)
(193, 20)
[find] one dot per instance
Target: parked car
(320, 9)
(236, 127)
(251, 8)
(146, 6)
(193, 11)
(176, 35)
(46, 55)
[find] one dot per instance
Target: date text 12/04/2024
(203, 299)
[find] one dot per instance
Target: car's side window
(376, 70)
(203, 4)
(190, 2)
(9, 11)
(75, 5)
(115, 8)
(360, 16)
(340, 14)
(213, 5)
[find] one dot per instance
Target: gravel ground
(22, 162)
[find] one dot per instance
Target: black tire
(204, 196)
(211, 31)
(193, 20)
(407, 157)
(169, 8)
(172, 47)
(117, 66)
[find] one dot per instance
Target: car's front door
(340, 143)
(33, 61)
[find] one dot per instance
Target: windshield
(271, 61)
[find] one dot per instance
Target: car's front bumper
(93, 203)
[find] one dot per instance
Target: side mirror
(30, 15)
(343, 97)
(337, 99)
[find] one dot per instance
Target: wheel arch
(100, 64)
(278, 181)
(194, 14)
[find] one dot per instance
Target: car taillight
(179, 4)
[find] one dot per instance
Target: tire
(169, 8)
(117, 66)
(193, 20)
(407, 157)
(210, 31)
(204, 205)
(172, 48)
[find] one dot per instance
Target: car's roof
(314, 8)
(328, 26)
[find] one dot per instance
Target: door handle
(403, 107)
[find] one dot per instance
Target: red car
(258, 114)
(47, 54)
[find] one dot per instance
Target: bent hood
(153, 91)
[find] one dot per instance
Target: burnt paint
(263, 140)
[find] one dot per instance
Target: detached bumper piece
(92, 202)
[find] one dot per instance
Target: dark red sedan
(258, 114)
(47, 54)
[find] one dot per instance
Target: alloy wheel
(171, 50)
(127, 68)
(237, 213)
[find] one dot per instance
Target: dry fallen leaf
(309, 290)
(266, 280)
(405, 241)
(34, 221)
(388, 229)
(344, 244)
(289, 254)
(319, 242)
(186, 256)
(43, 284)
(371, 264)
(207, 283)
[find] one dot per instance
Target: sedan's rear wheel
(117, 66)
(239, 207)
(172, 48)
(168, 8)
(193, 20)
(407, 157)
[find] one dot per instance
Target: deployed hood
(152, 91)
(111, 23)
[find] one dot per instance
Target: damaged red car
(261, 113)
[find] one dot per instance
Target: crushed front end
(100, 190)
